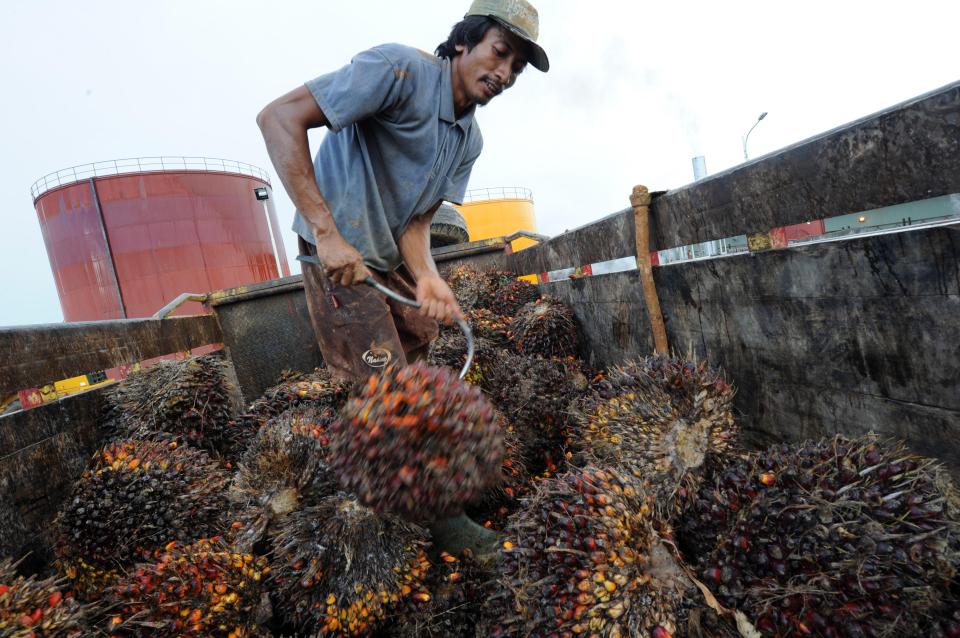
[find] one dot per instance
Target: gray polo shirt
(395, 147)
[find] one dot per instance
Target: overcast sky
(635, 91)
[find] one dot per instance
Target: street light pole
(747, 136)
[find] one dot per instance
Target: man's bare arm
(432, 291)
(284, 124)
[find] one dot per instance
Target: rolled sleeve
(365, 87)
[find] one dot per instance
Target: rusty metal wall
(165, 233)
(266, 330)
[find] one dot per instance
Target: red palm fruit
(417, 441)
(203, 589)
(862, 520)
(134, 497)
(31, 606)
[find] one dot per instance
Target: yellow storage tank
(498, 212)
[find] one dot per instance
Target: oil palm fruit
(417, 441)
(546, 327)
(198, 590)
(514, 481)
(340, 568)
(583, 558)
(284, 469)
(317, 389)
(455, 585)
(507, 295)
(190, 399)
(467, 284)
(135, 497)
(837, 538)
(536, 396)
(32, 607)
(669, 431)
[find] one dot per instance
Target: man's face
(489, 68)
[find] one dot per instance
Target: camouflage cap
(521, 18)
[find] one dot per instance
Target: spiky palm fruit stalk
(190, 399)
(456, 592)
(32, 607)
(135, 497)
(670, 431)
(546, 327)
(203, 589)
(284, 468)
(318, 389)
(697, 390)
(835, 538)
(417, 441)
(341, 568)
(582, 558)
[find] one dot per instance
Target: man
(402, 140)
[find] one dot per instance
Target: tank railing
(497, 192)
(155, 164)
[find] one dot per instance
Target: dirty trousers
(360, 331)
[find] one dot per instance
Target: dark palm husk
(32, 607)
(202, 590)
(190, 399)
(417, 441)
(341, 568)
(285, 468)
(318, 389)
(456, 592)
(135, 497)
(547, 328)
(840, 537)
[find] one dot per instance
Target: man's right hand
(342, 263)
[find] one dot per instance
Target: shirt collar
(447, 111)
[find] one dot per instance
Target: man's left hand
(437, 300)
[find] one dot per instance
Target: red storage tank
(126, 237)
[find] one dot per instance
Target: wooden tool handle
(640, 200)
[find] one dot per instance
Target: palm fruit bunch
(468, 286)
(135, 497)
(318, 389)
(32, 607)
(506, 294)
(197, 590)
(456, 591)
(583, 559)
(669, 431)
(449, 349)
(545, 327)
(834, 538)
(536, 396)
(284, 467)
(340, 568)
(514, 483)
(417, 441)
(697, 390)
(190, 399)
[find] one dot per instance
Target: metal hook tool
(370, 281)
